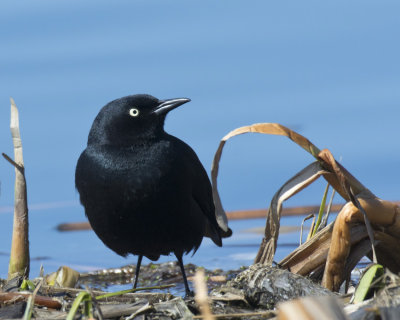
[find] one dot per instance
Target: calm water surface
(83, 251)
(329, 70)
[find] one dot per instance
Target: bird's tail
(225, 234)
(216, 234)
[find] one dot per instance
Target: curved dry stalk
(382, 214)
(265, 128)
(339, 178)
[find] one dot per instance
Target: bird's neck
(141, 138)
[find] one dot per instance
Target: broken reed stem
(201, 296)
(19, 257)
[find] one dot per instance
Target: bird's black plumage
(145, 192)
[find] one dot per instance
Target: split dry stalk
(19, 257)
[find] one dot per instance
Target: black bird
(145, 192)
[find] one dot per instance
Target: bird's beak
(167, 105)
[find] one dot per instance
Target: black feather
(145, 192)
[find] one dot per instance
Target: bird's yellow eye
(134, 112)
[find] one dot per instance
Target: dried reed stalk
(19, 257)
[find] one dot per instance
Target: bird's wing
(201, 190)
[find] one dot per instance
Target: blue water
(83, 251)
(329, 70)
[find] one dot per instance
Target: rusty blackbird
(144, 191)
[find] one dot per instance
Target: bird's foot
(189, 294)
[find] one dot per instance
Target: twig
(16, 165)
(39, 300)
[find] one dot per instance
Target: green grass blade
(321, 210)
(367, 282)
(82, 296)
(119, 293)
(29, 308)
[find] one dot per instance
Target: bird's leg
(139, 262)
(187, 290)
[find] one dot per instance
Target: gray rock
(264, 286)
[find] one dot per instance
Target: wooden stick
(39, 300)
(232, 215)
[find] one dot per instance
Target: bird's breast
(136, 172)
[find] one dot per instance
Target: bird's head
(131, 118)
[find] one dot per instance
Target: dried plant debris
(63, 277)
(378, 238)
(251, 294)
(152, 275)
(138, 305)
(245, 296)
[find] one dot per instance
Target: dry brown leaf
(382, 214)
